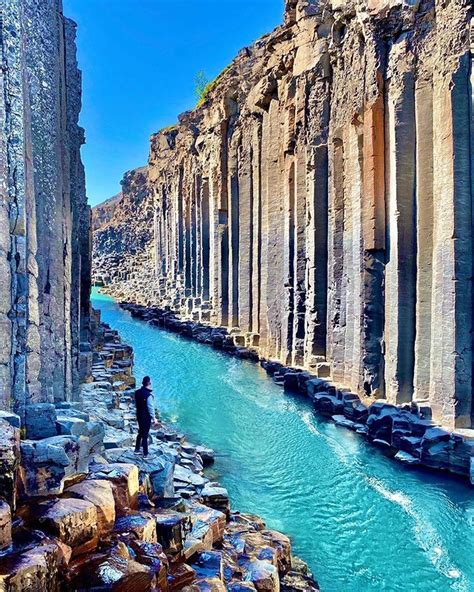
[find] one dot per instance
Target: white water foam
(425, 535)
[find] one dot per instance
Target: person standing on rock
(145, 405)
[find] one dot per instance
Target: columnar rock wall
(319, 202)
(123, 231)
(44, 217)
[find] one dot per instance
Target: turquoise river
(361, 521)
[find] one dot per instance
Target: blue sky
(139, 60)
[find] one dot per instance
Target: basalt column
(451, 339)
(318, 203)
(45, 239)
(400, 290)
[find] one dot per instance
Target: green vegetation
(169, 128)
(203, 85)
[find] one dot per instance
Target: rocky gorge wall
(123, 231)
(319, 203)
(44, 217)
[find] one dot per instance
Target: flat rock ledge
(81, 511)
(405, 433)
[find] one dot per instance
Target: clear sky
(139, 60)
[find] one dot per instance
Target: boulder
(204, 518)
(240, 586)
(263, 575)
(341, 420)
(328, 404)
(10, 418)
(434, 436)
(170, 528)
(158, 468)
(100, 493)
(72, 412)
(318, 385)
(436, 456)
(141, 524)
(33, 570)
(207, 585)
(180, 575)
(9, 461)
(199, 539)
(216, 497)
(45, 464)
(96, 434)
(40, 421)
(207, 455)
(208, 564)
(184, 476)
(72, 521)
(151, 554)
(380, 421)
(420, 426)
(298, 582)
(271, 367)
(162, 481)
(401, 427)
(158, 454)
(291, 382)
(113, 569)
(5, 525)
(124, 479)
(71, 426)
(406, 458)
(359, 412)
(354, 409)
(411, 445)
(268, 545)
(436, 447)
(282, 546)
(207, 528)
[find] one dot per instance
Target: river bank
(99, 517)
(405, 433)
(245, 554)
(352, 513)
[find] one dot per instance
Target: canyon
(314, 213)
(79, 510)
(318, 204)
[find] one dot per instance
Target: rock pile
(406, 432)
(84, 512)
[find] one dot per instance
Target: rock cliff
(123, 230)
(319, 202)
(44, 217)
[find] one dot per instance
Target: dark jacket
(144, 404)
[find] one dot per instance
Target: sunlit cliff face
(311, 202)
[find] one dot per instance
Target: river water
(361, 521)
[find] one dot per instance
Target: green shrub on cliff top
(203, 85)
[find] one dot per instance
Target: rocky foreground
(406, 433)
(83, 512)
